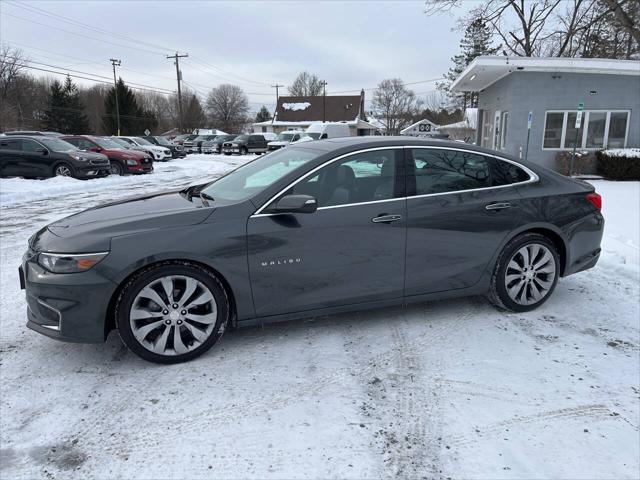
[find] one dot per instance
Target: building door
(495, 142)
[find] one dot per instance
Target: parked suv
(121, 161)
(244, 144)
(45, 156)
(195, 145)
(215, 146)
(284, 139)
(159, 154)
(177, 151)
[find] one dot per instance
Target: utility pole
(179, 77)
(116, 63)
(276, 86)
(324, 101)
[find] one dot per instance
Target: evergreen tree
(263, 115)
(53, 116)
(476, 42)
(76, 120)
(193, 116)
(134, 120)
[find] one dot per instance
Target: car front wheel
(116, 168)
(525, 274)
(172, 313)
(64, 170)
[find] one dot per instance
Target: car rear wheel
(64, 170)
(116, 168)
(172, 313)
(525, 274)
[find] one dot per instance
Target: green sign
(580, 106)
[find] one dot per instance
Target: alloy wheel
(173, 315)
(116, 169)
(530, 274)
(63, 171)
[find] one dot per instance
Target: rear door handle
(386, 218)
(497, 206)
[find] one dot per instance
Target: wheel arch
(553, 233)
(110, 321)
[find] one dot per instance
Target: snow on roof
(469, 122)
(419, 122)
(484, 70)
(296, 106)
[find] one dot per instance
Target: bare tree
(628, 13)
(305, 85)
(12, 61)
(394, 105)
(228, 107)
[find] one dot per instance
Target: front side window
(362, 177)
(441, 171)
(553, 130)
(255, 176)
(31, 146)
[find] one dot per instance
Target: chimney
(362, 114)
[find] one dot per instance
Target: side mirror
(95, 149)
(296, 204)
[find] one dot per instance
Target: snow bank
(623, 152)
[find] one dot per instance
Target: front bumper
(93, 171)
(68, 307)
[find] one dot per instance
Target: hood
(126, 153)
(91, 156)
(93, 228)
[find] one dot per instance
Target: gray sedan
(313, 229)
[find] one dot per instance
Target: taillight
(595, 200)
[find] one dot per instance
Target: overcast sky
(352, 45)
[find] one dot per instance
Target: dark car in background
(195, 145)
(121, 161)
(245, 144)
(312, 229)
(180, 139)
(215, 145)
(41, 156)
(177, 151)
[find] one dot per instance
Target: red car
(122, 161)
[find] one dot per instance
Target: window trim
(533, 177)
(584, 128)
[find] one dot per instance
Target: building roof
(419, 122)
(484, 71)
(358, 123)
(337, 108)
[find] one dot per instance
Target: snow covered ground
(443, 389)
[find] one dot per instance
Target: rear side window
(11, 144)
(441, 171)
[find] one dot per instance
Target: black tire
(498, 293)
(64, 170)
(116, 168)
(141, 280)
(244, 151)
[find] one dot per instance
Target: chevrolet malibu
(312, 229)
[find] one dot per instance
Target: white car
(159, 154)
(284, 139)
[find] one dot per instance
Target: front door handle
(386, 218)
(498, 206)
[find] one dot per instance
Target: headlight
(68, 262)
(132, 162)
(80, 158)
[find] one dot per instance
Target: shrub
(619, 163)
(584, 163)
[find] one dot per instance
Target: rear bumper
(67, 307)
(585, 237)
(139, 169)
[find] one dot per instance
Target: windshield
(314, 135)
(56, 144)
(284, 137)
(121, 142)
(241, 138)
(163, 141)
(225, 138)
(142, 141)
(255, 176)
(106, 143)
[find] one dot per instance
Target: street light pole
(116, 63)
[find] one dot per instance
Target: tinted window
(363, 177)
(57, 145)
(31, 146)
(439, 171)
(11, 144)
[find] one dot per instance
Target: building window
(599, 129)
(553, 130)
